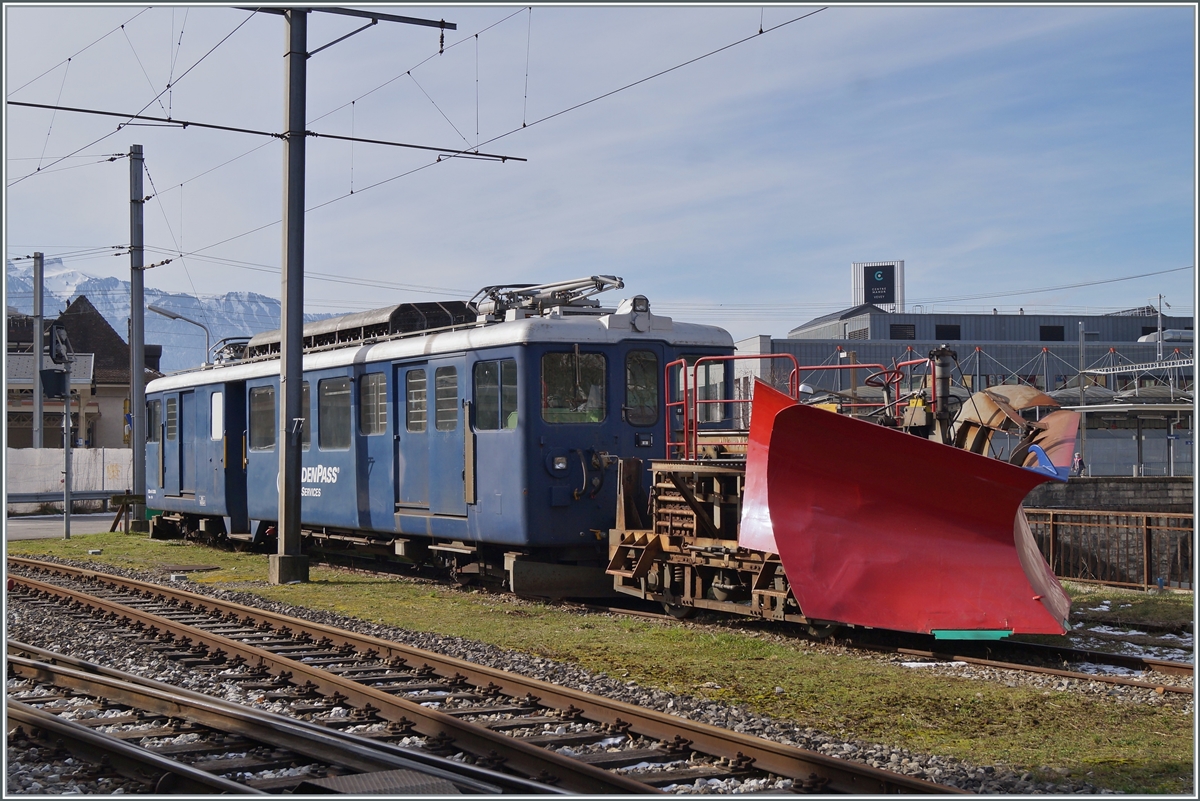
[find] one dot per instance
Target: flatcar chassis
(683, 550)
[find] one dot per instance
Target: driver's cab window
(641, 388)
(573, 387)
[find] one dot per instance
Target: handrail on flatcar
(688, 447)
(690, 402)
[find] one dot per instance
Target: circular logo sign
(879, 275)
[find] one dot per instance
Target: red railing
(689, 402)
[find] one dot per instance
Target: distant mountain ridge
(231, 314)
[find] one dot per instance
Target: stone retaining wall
(1116, 493)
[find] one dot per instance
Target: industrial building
(1136, 391)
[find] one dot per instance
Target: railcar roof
(583, 329)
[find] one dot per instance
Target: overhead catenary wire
(70, 167)
(171, 231)
(78, 52)
(543, 119)
(50, 127)
(433, 102)
(461, 154)
(528, 41)
(1078, 285)
(351, 103)
(448, 152)
(423, 61)
(138, 59)
(569, 109)
(169, 86)
(175, 51)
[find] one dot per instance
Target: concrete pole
(137, 335)
(38, 345)
(288, 564)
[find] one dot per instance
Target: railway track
(177, 741)
(503, 721)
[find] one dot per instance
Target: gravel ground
(32, 770)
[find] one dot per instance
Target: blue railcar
(486, 444)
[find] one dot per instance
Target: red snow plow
(829, 519)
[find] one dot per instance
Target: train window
(641, 388)
(217, 418)
(172, 418)
(372, 403)
(445, 388)
(414, 391)
(306, 410)
(496, 395)
(154, 421)
(573, 387)
(333, 414)
(262, 418)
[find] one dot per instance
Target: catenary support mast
(137, 334)
(288, 564)
(38, 346)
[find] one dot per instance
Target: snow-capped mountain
(231, 314)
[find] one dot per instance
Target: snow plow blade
(876, 527)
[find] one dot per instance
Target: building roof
(846, 314)
(90, 332)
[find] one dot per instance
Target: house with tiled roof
(100, 382)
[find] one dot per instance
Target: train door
(411, 436)
(216, 446)
(232, 445)
(374, 452)
(170, 445)
(642, 400)
(447, 439)
(154, 444)
(188, 431)
(431, 448)
(262, 458)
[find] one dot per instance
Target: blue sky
(994, 149)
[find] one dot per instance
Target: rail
(270, 643)
(352, 753)
(1120, 549)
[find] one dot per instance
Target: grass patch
(1129, 747)
(1125, 607)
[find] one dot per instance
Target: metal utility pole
(38, 344)
(137, 336)
(288, 564)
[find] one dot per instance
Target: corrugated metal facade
(979, 329)
(987, 363)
